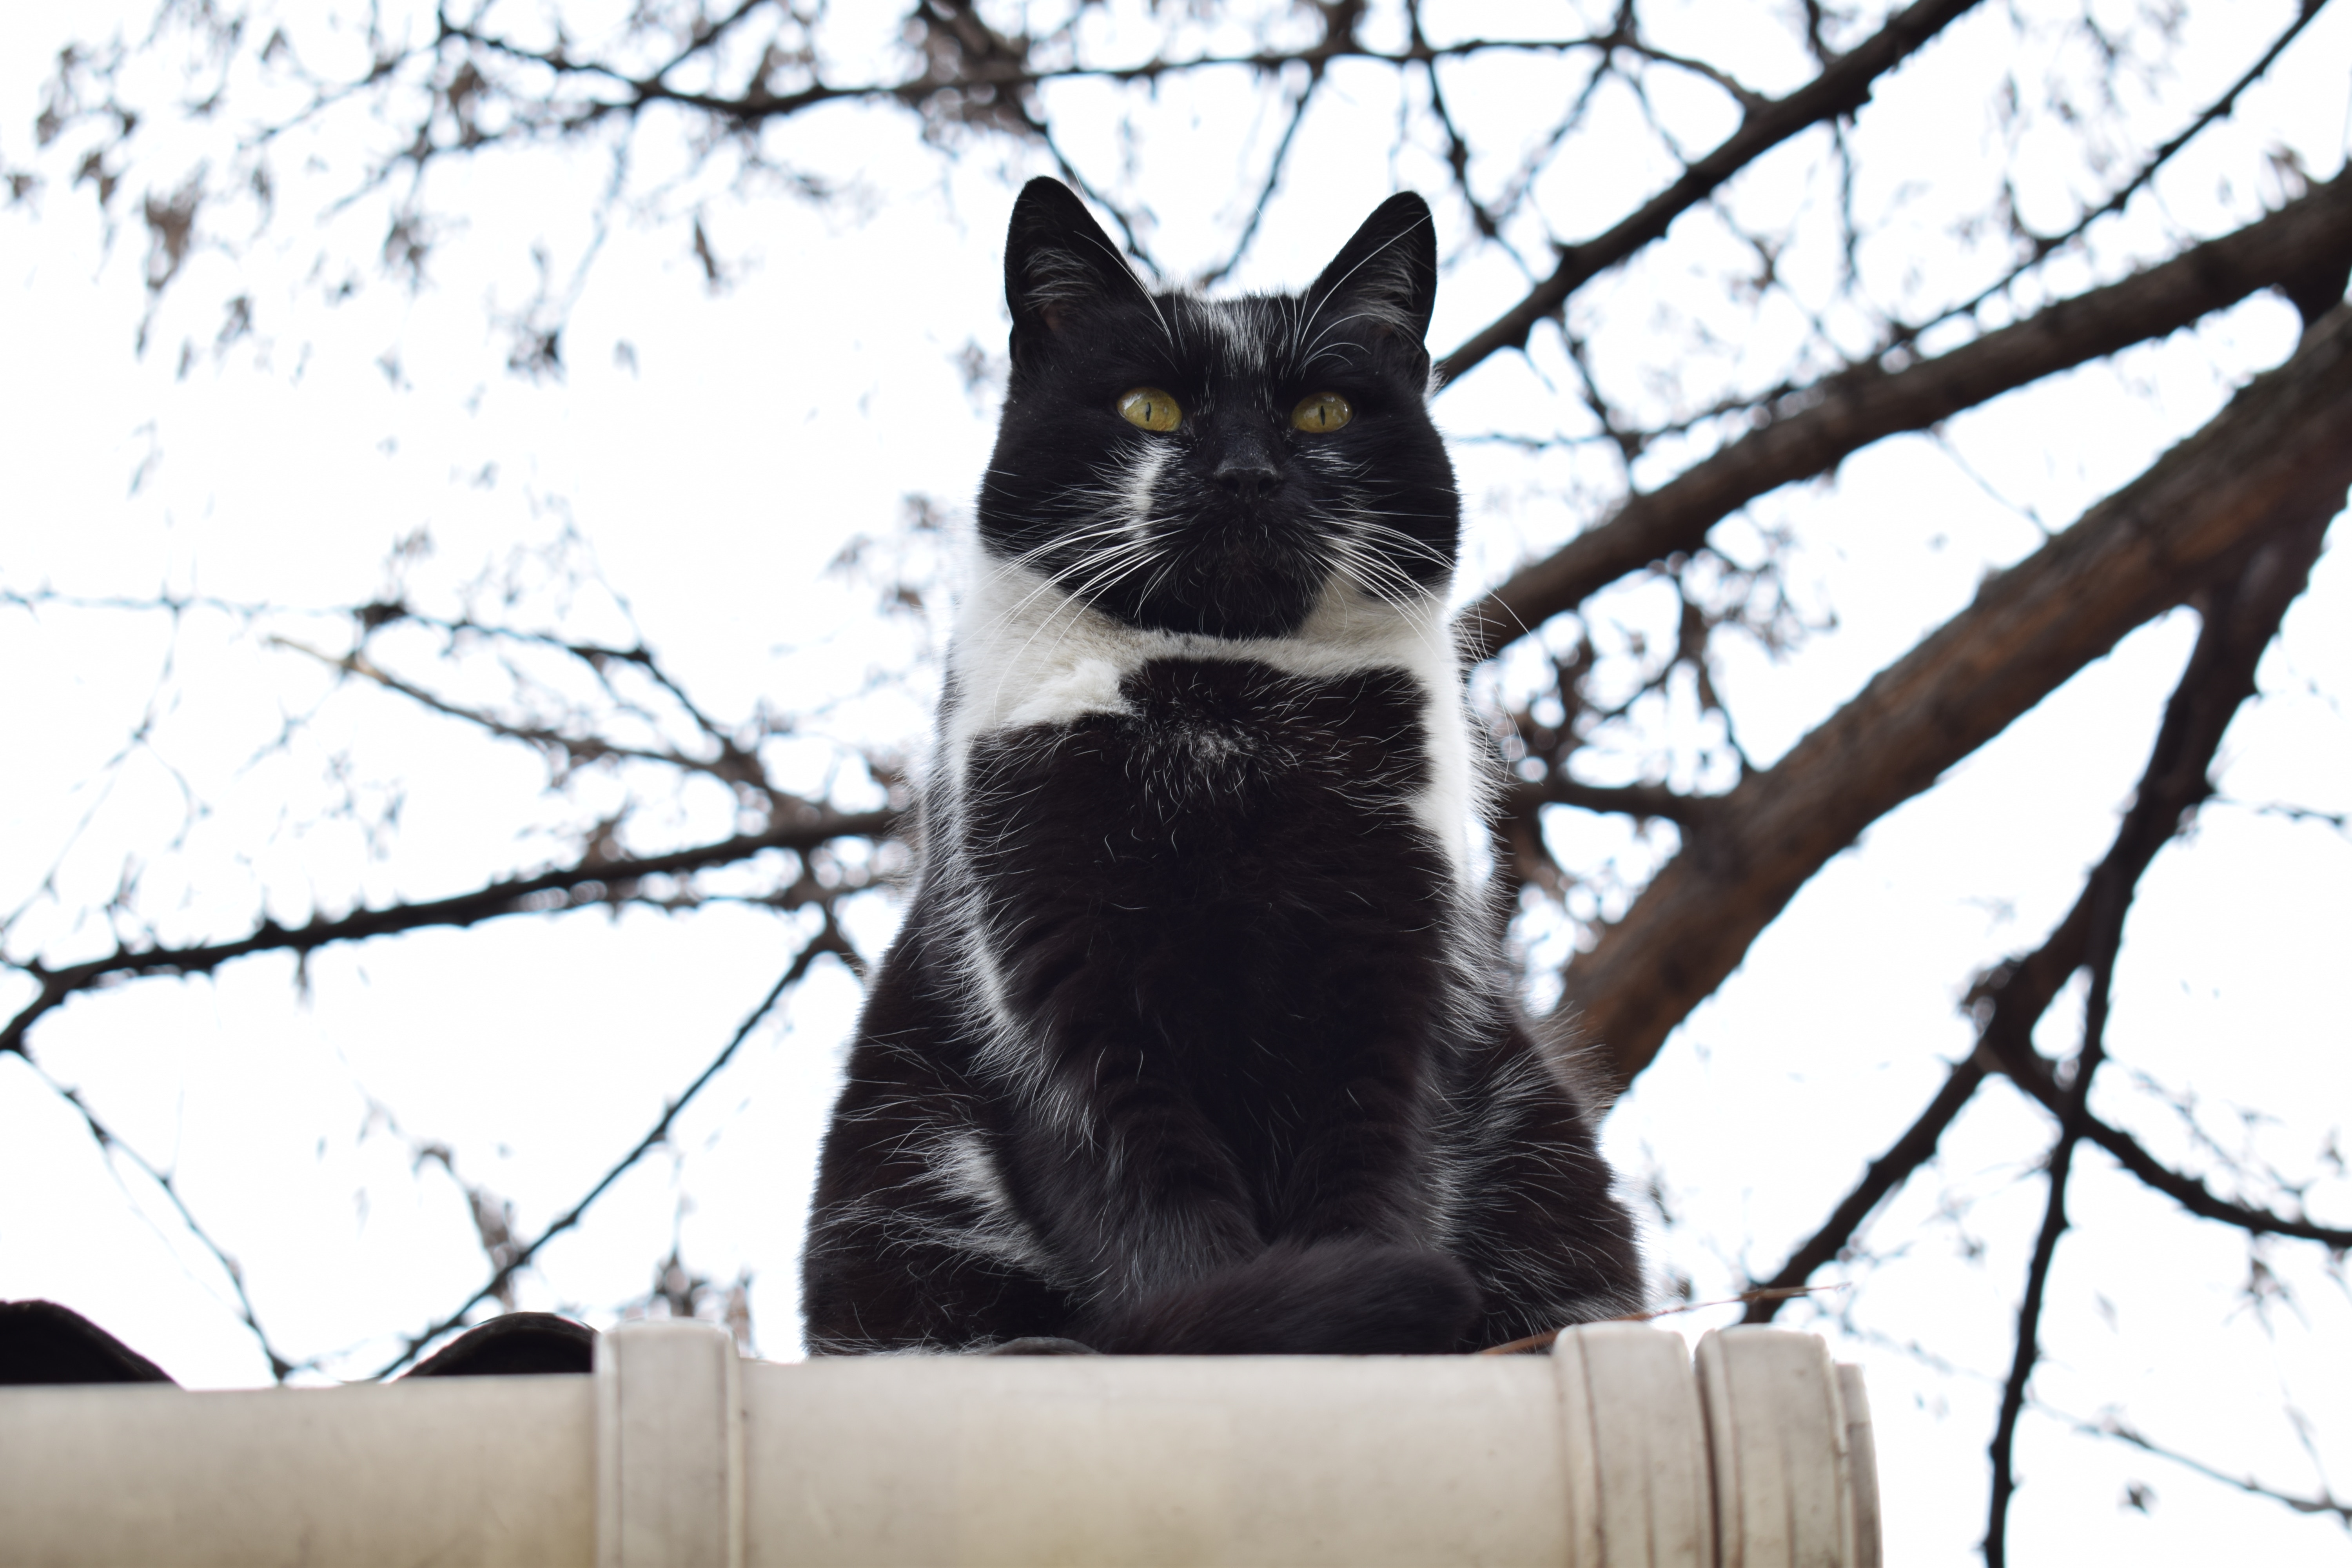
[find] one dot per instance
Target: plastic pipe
(1614, 1452)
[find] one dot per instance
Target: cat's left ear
(1387, 275)
(1057, 260)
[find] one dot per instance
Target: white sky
(760, 428)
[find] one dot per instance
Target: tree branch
(996, 65)
(1885, 1173)
(1811, 431)
(2274, 460)
(109, 1142)
(2034, 1076)
(828, 940)
(1217, 274)
(2242, 615)
(2206, 685)
(1841, 88)
(1556, 788)
(587, 882)
(2044, 245)
(2326, 1501)
(2028, 1351)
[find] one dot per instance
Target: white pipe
(457, 1470)
(1613, 1452)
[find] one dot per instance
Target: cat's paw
(1334, 1297)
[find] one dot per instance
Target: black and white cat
(1199, 1036)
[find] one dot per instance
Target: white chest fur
(1025, 655)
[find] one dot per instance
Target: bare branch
(1885, 1173)
(589, 881)
(2187, 1191)
(2242, 617)
(1216, 275)
(1811, 431)
(2273, 461)
(975, 58)
(2028, 1350)
(2326, 1501)
(2045, 246)
(828, 940)
(1645, 801)
(2104, 900)
(110, 1142)
(1841, 88)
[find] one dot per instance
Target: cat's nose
(1248, 476)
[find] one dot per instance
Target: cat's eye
(1149, 408)
(1319, 412)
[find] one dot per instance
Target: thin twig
(2026, 1353)
(1216, 275)
(2045, 246)
(2114, 1428)
(1841, 89)
(110, 1142)
(1884, 1174)
(827, 940)
(1812, 429)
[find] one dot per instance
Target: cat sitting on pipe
(1200, 1035)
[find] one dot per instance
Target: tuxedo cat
(1199, 1036)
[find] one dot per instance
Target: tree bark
(2276, 457)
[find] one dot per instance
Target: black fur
(1199, 1036)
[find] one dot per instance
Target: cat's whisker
(1099, 571)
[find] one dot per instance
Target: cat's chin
(1232, 593)
(1265, 611)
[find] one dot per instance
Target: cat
(1199, 1036)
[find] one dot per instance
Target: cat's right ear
(1057, 260)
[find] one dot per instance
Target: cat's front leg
(1361, 1162)
(1120, 1172)
(1150, 1202)
(1135, 1186)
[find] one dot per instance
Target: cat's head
(1216, 466)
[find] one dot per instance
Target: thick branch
(1841, 89)
(1812, 431)
(2274, 460)
(2242, 614)
(1557, 788)
(590, 881)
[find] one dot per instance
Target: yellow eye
(1149, 408)
(1319, 412)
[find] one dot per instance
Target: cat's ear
(1387, 275)
(1057, 260)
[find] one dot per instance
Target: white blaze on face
(1142, 475)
